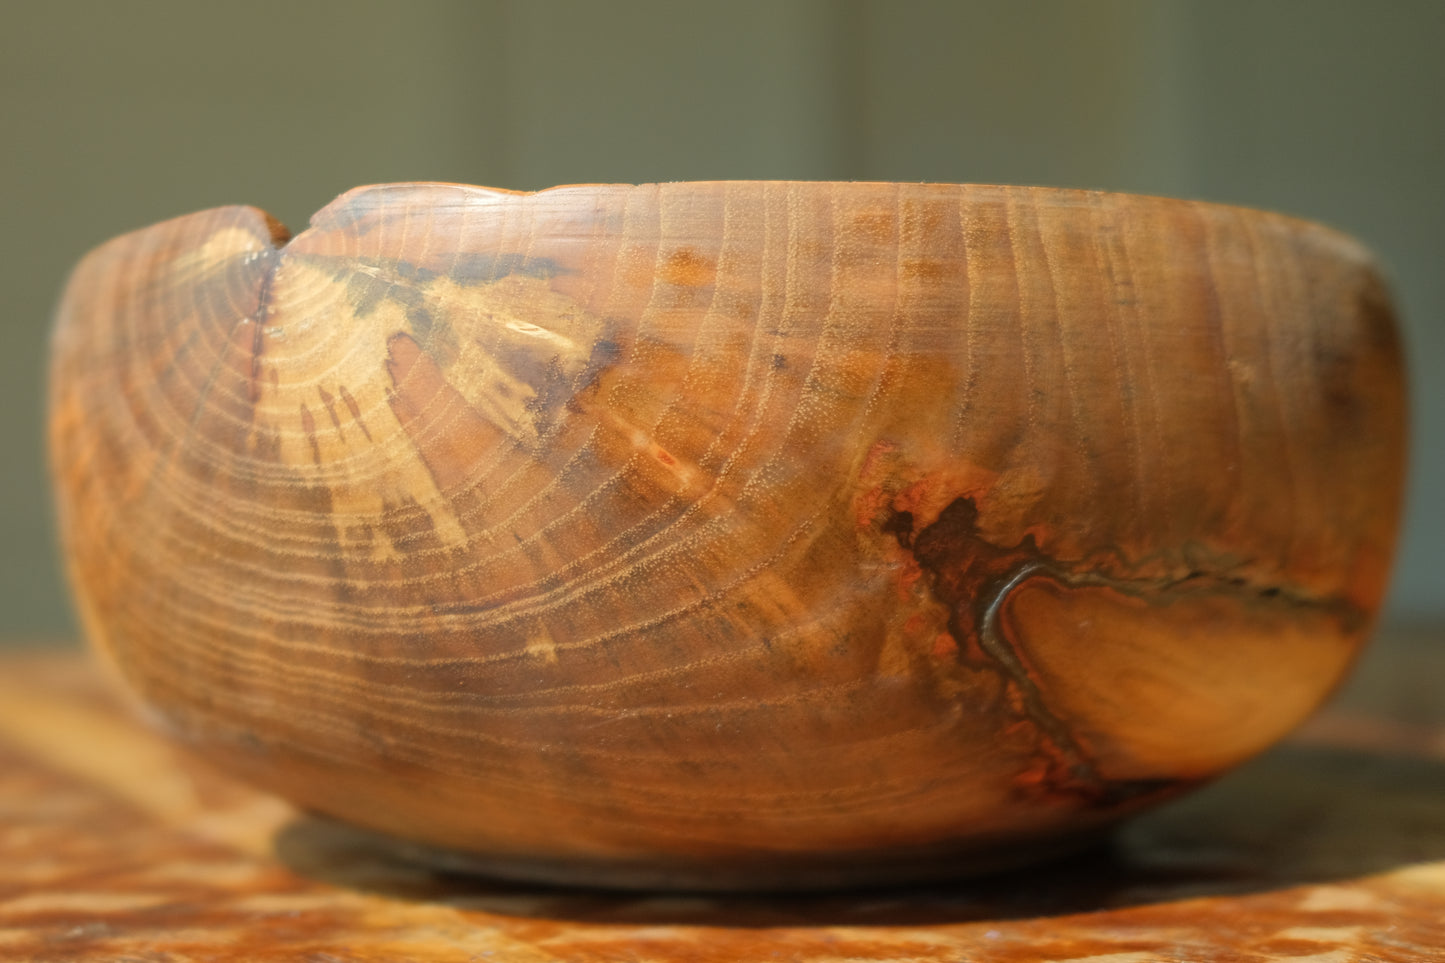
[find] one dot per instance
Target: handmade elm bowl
(729, 535)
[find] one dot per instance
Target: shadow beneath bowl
(1298, 815)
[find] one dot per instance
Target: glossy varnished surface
(729, 533)
(114, 846)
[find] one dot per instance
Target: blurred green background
(116, 115)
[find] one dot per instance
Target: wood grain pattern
(114, 845)
(729, 534)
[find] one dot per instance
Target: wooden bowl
(729, 534)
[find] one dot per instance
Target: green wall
(118, 115)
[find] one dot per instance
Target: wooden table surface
(114, 846)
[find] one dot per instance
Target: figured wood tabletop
(115, 846)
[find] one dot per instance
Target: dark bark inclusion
(974, 578)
